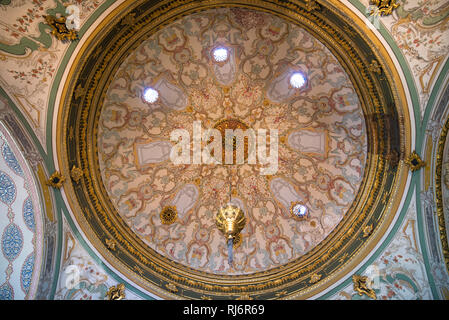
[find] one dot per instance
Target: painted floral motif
(328, 108)
(80, 277)
(27, 272)
(25, 22)
(7, 189)
(12, 242)
(419, 28)
(6, 292)
(28, 214)
(43, 70)
(399, 273)
(29, 56)
(11, 160)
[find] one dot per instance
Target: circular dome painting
(321, 145)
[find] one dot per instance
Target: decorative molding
(268, 283)
(110, 244)
(230, 220)
(171, 287)
(315, 278)
(446, 174)
(367, 230)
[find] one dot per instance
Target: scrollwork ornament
(384, 7)
(116, 292)
(110, 244)
(127, 244)
(362, 286)
(315, 278)
(59, 28)
(367, 230)
(312, 5)
(446, 174)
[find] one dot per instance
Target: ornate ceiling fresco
(140, 179)
(123, 219)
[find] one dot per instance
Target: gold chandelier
(230, 220)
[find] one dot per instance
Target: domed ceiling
(321, 154)
(338, 137)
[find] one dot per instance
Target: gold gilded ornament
(232, 124)
(110, 244)
(244, 297)
(230, 220)
(171, 287)
(414, 161)
(59, 28)
(56, 180)
(116, 292)
(362, 286)
(367, 231)
(237, 241)
(76, 174)
(384, 7)
(312, 5)
(168, 215)
(299, 210)
(315, 278)
(374, 67)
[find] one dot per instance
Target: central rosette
(232, 142)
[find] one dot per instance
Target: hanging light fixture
(230, 220)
